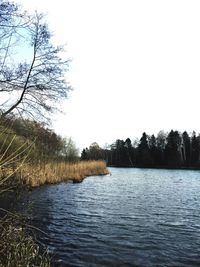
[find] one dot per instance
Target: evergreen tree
(84, 155)
(161, 141)
(129, 152)
(194, 150)
(186, 149)
(173, 149)
(153, 150)
(144, 157)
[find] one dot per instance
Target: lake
(135, 217)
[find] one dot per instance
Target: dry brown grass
(56, 172)
(17, 247)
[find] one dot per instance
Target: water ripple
(133, 218)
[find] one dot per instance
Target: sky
(135, 66)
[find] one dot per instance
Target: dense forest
(166, 150)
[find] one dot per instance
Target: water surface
(135, 217)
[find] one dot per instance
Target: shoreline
(34, 175)
(22, 246)
(158, 168)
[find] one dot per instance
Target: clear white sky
(135, 66)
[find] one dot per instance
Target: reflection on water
(136, 217)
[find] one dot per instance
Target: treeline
(46, 144)
(166, 150)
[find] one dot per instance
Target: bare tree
(32, 75)
(70, 150)
(12, 21)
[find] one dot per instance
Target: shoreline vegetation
(167, 150)
(34, 175)
(18, 246)
(57, 172)
(157, 167)
(32, 155)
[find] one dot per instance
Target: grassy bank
(52, 172)
(33, 175)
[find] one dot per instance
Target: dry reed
(17, 248)
(55, 172)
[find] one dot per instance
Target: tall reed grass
(18, 165)
(56, 172)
